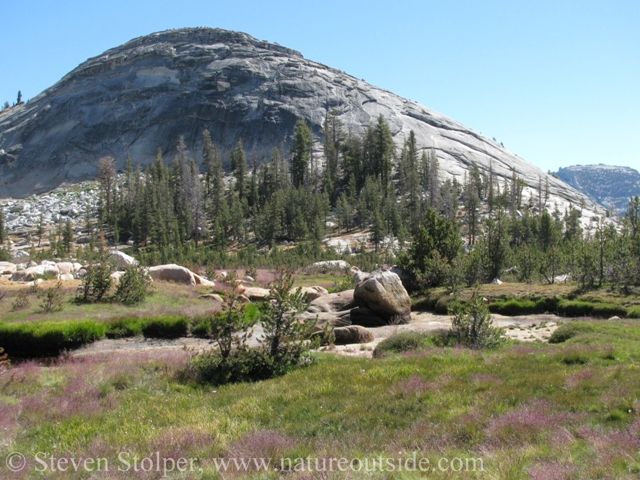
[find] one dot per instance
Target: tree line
(362, 182)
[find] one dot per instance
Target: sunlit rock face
(142, 96)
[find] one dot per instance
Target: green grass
(529, 411)
(578, 308)
(167, 299)
(409, 341)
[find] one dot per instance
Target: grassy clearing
(568, 410)
(167, 299)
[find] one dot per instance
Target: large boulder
(256, 294)
(352, 334)
(328, 266)
(172, 273)
(333, 302)
(7, 268)
(382, 293)
(122, 260)
(68, 268)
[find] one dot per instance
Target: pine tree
(3, 236)
(239, 168)
(434, 184)
(333, 139)
(300, 153)
(67, 236)
(410, 183)
(472, 204)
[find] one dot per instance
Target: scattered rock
(65, 277)
(352, 334)
(496, 281)
(19, 256)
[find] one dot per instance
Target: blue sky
(556, 81)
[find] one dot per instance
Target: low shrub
(21, 301)
(472, 325)
(634, 312)
(125, 327)
(242, 365)
(570, 330)
(175, 326)
(576, 308)
(53, 299)
(408, 341)
(48, 339)
(523, 306)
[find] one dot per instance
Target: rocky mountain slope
(141, 96)
(607, 185)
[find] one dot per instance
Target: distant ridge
(606, 185)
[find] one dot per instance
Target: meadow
(566, 410)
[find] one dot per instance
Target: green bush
(53, 300)
(634, 312)
(175, 326)
(570, 330)
(285, 344)
(134, 286)
(523, 306)
(125, 327)
(342, 284)
(576, 308)
(408, 341)
(472, 325)
(48, 339)
(242, 365)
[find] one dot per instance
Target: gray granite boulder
(382, 294)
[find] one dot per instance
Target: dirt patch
(526, 328)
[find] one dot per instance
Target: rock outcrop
(142, 96)
(333, 302)
(381, 300)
